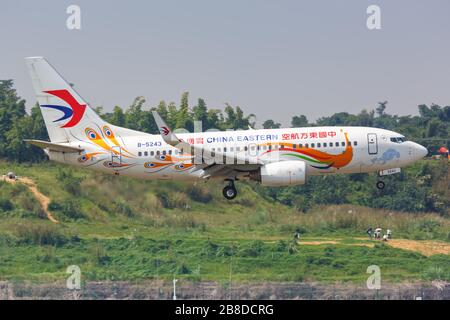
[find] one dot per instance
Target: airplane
(272, 157)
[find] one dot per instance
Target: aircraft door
(116, 157)
(372, 143)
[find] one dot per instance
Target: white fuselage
(325, 150)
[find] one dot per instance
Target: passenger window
(164, 152)
(145, 153)
(170, 152)
(225, 149)
(152, 153)
(300, 145)
(349, 143)
(140, 154)
(312, 145)
(238, 149)
(331, 144)
(231, 149)
(306, 145)
(318, 145)
(245, 148)
(355, 143)
(324, 144)
(157, 152)
(343, 143)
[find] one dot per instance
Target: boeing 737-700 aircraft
(272, 157)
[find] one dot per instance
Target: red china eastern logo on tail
(165, 131)
(74, 113)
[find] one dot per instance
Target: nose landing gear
(230, 192)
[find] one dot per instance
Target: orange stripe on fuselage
(338, 160)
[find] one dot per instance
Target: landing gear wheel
(229, 192)
(380, 185)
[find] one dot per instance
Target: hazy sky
(273, 58)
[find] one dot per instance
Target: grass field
(122, 229)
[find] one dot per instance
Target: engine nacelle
(282, 173)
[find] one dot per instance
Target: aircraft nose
(419, 151)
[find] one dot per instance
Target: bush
(254, 249)
(199, 194)
(173, 200)
(434, 273)
(123, 208)
(70, 183)
(6, 205)
(40, 234)
(69, 208)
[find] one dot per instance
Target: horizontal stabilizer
(54, 146)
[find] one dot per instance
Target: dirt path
(315, 243)
(43, 200)
(427, 248)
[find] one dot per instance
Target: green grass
(124, 229)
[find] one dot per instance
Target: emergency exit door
(372, 143)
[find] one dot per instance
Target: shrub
(6, 205)
(123, 208)
(254, 249)
(40, 234)
(434, 273)
(199, 194)
(173, 200)
(69, 208)
(71, 183)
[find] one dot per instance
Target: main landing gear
(230, 192)
(380, 185)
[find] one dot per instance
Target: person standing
(369, 232)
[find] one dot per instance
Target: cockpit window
(398, 139)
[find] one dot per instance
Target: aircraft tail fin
(64, 111)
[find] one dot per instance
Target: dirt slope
(43, 200)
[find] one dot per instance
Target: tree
(134, 114)
(299, 121)
(183, 117)
(381, 107)
(12, 108)
(270, 124)
(200, 113)
(118, 117)
(162, 109)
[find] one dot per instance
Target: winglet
(168, 136)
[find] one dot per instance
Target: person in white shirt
(389, 233)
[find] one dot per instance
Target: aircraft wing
(54, 146)
(224, 170)
(207, 163)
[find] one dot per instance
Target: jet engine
(283, 173)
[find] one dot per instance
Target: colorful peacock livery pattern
(182, 163)
(317, 159)
(107, 141)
